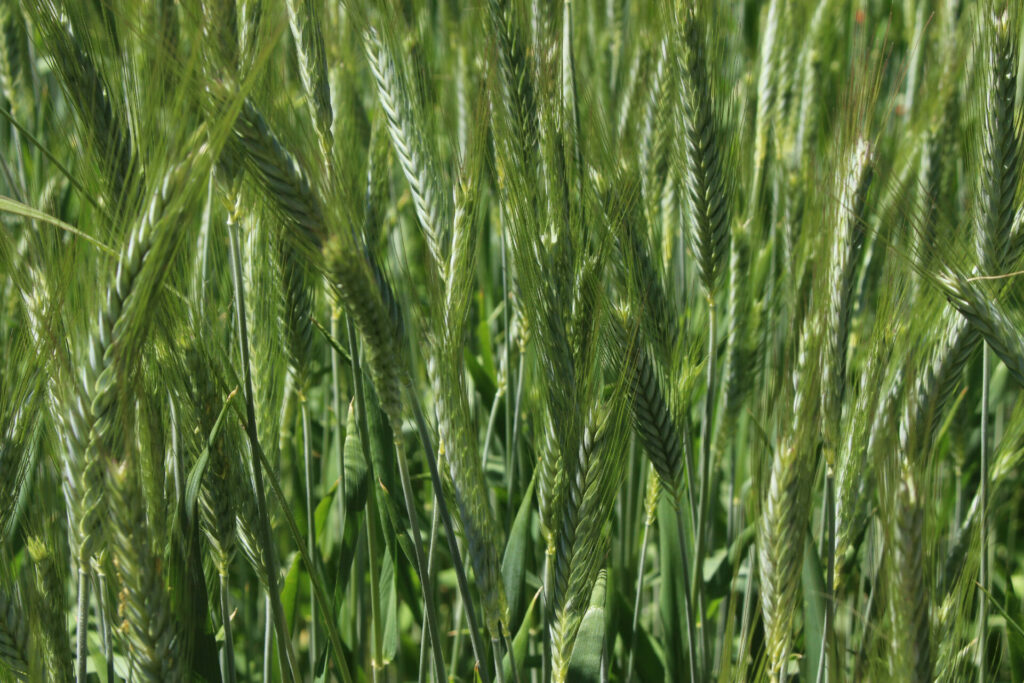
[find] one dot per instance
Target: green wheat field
(511, 341)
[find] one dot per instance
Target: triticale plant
(519, 340)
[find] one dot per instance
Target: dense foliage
(511, 340)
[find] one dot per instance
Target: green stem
(689, 459)
(417, 546)
(371, 506)
(307, 462)
(456, 651)
(285, 651)
(104, 623)
(862, 660)
(830, 575)
(82, 626)
(510, 454)
(706, 469)
(339, 425)
(491, 419)
(316, 581)
(549, 613)
(691, 631)
(499, 675)
(983, 569)
(636, 601)
(268, 639)
(511, 653)
(453, 545)
(746, 621)
(227, 665)
(108, 637)
(431, 556)
(372, 541)
(514, 439)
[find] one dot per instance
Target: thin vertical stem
(830, 575)
(492, 418)
(339, 422)
(983, 569)
(636, 601)
(371, 505)
(268, 638)
(746, 621)
(101, 603)
(691, 632)
(456, 650)
(511, 653)
(227, 664)
(510, 453)
(549, 572)
(721, 646)
(421, 561)
(499, 675)
(82, 627)
(706, 469)
(431, 556)
(377, 664)
(453, 546)
(515, 425)
(307, 462)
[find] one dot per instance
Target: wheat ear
(309, 44)
(656, 129)
(1001, 159)
(418, 163)
(516, 99)
(986, 314)
(280, 176)
(847, 243)
(909, 570)
(784, 514)
(705, 170)
(146, 620)
(580, 541)
(780, 543)
(767, 91)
